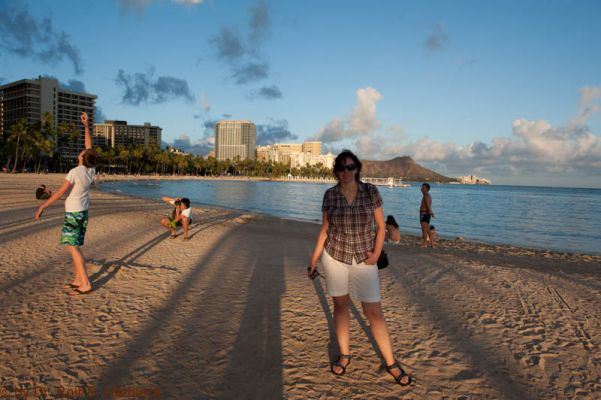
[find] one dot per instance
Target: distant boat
(390, 182)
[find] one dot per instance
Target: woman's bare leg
(342, 323)
(379, 330)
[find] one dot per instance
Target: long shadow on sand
(254, 368)
(483, 359)
(29, 226)
(102, 276)
(106, 247)
(204, 308)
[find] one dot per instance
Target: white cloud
(588, 95)
(361, 121)
(363, 118)
(533, 147)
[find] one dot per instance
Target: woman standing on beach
(79, 180)
(349, 249)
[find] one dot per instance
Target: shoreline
(457, 242)
(450, 242)
(231, 313)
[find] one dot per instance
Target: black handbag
(383, 260)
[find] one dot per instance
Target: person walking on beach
(349, 250)
(182, 216)
(425, 213)
(79, 180)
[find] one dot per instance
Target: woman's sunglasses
(348, 167)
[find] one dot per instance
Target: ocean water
(560, 219)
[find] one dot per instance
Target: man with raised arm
(78, 180)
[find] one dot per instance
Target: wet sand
(231, 314)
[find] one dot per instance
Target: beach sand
(231, 314)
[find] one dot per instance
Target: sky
(509, 91)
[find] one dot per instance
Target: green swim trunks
(74, 228)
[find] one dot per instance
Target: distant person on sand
(181, 216)
(425, 213)
(392, 230)
(349, 250)
(42, 193)
(79, 180)
(432, 236)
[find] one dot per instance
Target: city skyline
(506, 91)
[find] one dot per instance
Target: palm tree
(198, 163)
(123, 156)
(67, 133)
(17, 132)
(45, 138)
(137, 155)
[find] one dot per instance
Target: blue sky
(506, 90)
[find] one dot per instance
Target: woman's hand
(38, 213)
(311, 268)
(372, 259)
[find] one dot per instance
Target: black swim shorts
(425, 217)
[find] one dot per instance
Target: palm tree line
(34, 148)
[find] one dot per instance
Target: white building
(295, 154)
(302, 159)
(473, 180)
(235, 139)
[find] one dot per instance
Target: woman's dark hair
(339, 163)
(186, 202)
(391, 221)
(89, 158)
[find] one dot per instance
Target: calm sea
(561, 219)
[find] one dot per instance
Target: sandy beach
(231, 315)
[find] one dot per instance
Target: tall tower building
(29, 99)
(235, 139)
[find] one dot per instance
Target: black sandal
(398, 379)
(337, 363)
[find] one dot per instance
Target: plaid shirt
(351, 227)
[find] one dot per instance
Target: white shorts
(365, 283)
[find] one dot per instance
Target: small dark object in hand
(314, 274)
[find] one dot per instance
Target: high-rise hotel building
(312, 147)
(29, 99)
(235, 139)
(119, 133)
